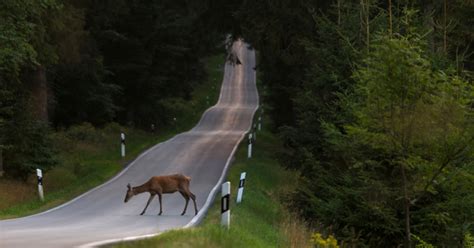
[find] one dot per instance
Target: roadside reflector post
(259, 123)
(122, 141)
(249, 154)
(225, 209)
(39, 173)
(240, 192)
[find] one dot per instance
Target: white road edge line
(198, 218)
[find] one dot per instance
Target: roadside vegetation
(87, 156)
(373, 100)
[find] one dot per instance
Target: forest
(372, 99)
(374, 103)
(65, 62)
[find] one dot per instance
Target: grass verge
(261, 220)
(89, 156)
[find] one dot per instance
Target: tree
(385, 154)
(23, 85)
(411, 122)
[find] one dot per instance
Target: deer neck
(140, 189)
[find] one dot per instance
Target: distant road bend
(203, 153)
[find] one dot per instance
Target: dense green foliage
(64, 62)
(377, 99)
(24, 49)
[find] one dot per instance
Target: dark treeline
(373, 99)
(64, 62)
(374, 102)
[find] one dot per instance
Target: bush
(175, 108)
(61, 141)
(320, 242)
(83, 132)
(29, 147)
(113, 127)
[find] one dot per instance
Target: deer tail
(188, 178)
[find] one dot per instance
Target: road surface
(203, 153)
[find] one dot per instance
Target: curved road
(203, 153)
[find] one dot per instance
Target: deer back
(169, 184)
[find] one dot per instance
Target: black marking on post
(40, 180)
(225, 203)
(242, 183)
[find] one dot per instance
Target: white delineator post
(259, 123)
(225, 210)
(122, 141)
(240, 192)
(39, 173)
(249, 154)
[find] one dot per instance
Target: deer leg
(148, 203)
(186, 197)
(161, 205)
(193, 197)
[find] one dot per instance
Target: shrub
(319, 241)
(29, 147)
(84, 132)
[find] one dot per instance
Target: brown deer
(159, 185)
(233, 59)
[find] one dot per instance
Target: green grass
(259, 221)
(89, 156)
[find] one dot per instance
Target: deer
(158, 185)
(233, 59)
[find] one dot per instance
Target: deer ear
(128, 186)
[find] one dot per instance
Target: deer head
(129, 193)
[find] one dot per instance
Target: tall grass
(89, 156)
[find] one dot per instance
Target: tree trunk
(339, 12)
(364, 16)
(407, 209)
(445, 28)
(39, 93)
(367, 23)
(429, 22)
(390, 17)
(1, 163)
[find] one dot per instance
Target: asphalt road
(203, 153)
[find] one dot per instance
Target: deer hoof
(141, 213)
(182, 214)
(159, 213)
